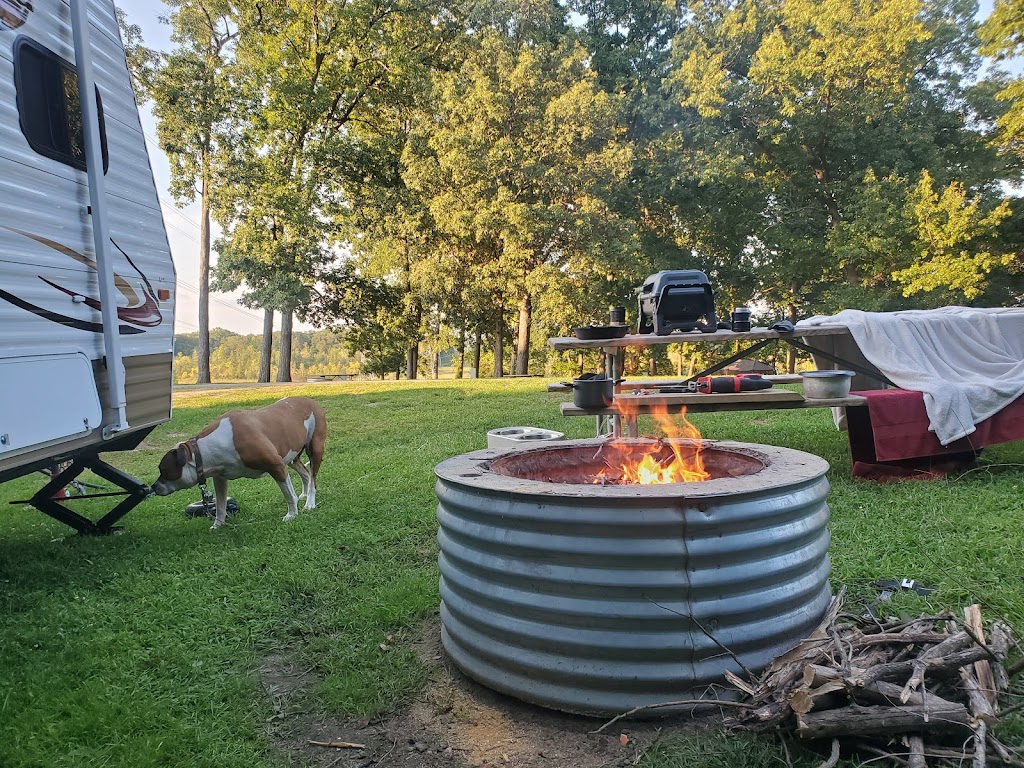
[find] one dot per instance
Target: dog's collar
(194, 445)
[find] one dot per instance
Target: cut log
(944, 665)
(950, 645)
(889, 693)
(770, 714)
(804, 700)
(915, 756)
(983, 669)
(879, 692)
(1000, 639)
(980, 732)
(899, 638)
(977, 701)
(855, 720)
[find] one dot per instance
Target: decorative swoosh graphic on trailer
(56, 317)
(144, 311)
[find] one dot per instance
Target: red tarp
(889, 438)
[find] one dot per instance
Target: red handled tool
(722, 384)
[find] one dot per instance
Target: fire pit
(566, 583)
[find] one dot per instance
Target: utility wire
(220, 301)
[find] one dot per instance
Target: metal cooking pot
(592, 391)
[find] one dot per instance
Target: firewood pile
(924, 692)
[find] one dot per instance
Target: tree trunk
(284, 366)
(204, 281)
(435, 364)
(476, 351)
(522, 366)
(499, 345)
(412, 353)
(460, 360)
(266, 346)
(791, 351)
(412, 361)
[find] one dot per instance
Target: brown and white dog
(253, 443)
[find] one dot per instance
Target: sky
(182, 224)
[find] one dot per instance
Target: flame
(685, 463)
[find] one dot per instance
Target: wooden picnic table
(629, 406)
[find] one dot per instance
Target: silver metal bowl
(825, 385)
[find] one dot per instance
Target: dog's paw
(310, 506)
(290, 516)
(215, 526)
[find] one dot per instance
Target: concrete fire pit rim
(784, 467)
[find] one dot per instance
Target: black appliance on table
(676, 300)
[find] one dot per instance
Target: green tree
(810, 115)
(140, 59)
(957, 243)
(516, 163)
(1002, 35)
(314, 75)
(367, 309)
(192, 100)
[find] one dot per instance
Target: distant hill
(237, 357)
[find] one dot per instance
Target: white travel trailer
(86, 278)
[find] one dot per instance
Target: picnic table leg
(876, 375)
(612, 368)
(730, 360)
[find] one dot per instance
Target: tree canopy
(446, 174)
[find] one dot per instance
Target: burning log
(929, 684)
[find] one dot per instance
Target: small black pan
(593, 332)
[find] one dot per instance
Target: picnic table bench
(629, 406)
(317, 377)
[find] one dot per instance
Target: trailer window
(49, 107)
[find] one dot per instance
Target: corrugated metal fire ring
(598, 599)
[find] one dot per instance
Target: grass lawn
(142, 649)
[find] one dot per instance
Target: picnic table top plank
(633, 384)
(693, 337)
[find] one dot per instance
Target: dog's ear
(183, 454)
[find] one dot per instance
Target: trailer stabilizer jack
(44, 501)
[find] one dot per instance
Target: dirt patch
(455, 723)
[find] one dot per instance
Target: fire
(684, 464)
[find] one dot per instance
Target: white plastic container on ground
(521, 437)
